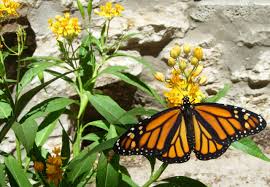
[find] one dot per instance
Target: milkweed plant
(82, 60)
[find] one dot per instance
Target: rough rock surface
(236, 37)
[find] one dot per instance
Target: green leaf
(91, 137)
(89, 9)
(107, 171)
(127, 181)
(65, 151)
(180, 181)
(81, 9)
(99, 123)
(31, 73)
(221, 93)
(47, 106)
(248, 146)
(57, 74)
(79, 167)
(140, 111)
(100, 147)
(104, 105)
(2, 175)
(47, 126)
(26, 133)
(83, 103)
(17, 172)
(22, 102)
(112, 69)
(5, 110)
(111, 133)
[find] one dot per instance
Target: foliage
(73, 164)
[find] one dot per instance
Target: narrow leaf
(26, 133)
(47, 106)
(127, 181)
(79, 166)
(65, 151)
(99, 123)
(89, 9)
(31, 73)
(107, 171)
(47, 126)
(2, 175)
(221, 93)
(91, 137)
(247, 145)
(17, 172)
(81, 9)
(5, 110)
(104, 105)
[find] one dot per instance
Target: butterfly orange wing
(179, 147)
(217, 125)
(151, 136)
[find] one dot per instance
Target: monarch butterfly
(207, 129)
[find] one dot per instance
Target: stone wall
(235, 35)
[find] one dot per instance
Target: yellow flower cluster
(65, 26)
(109, 11)
(53, 167)
(8, 8)
(185, 77)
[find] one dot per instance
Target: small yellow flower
(9, 8)
(159, 76)
(186, 49)
(65, 26)
(38, 166)
(171, 62)
(198, 53)
(175, 51)
(109, 11)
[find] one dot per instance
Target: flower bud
(198, 53)
(182, 64)
(159, 76)
(186, 49)
(175, 51)
(202, 80)
(171, 62)
(197, 71)
(194, 61)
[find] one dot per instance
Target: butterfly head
(186, 100)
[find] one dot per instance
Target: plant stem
(156, 175)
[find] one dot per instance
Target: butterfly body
(207, 129)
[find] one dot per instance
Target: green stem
(18, 151)
(156, 175)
